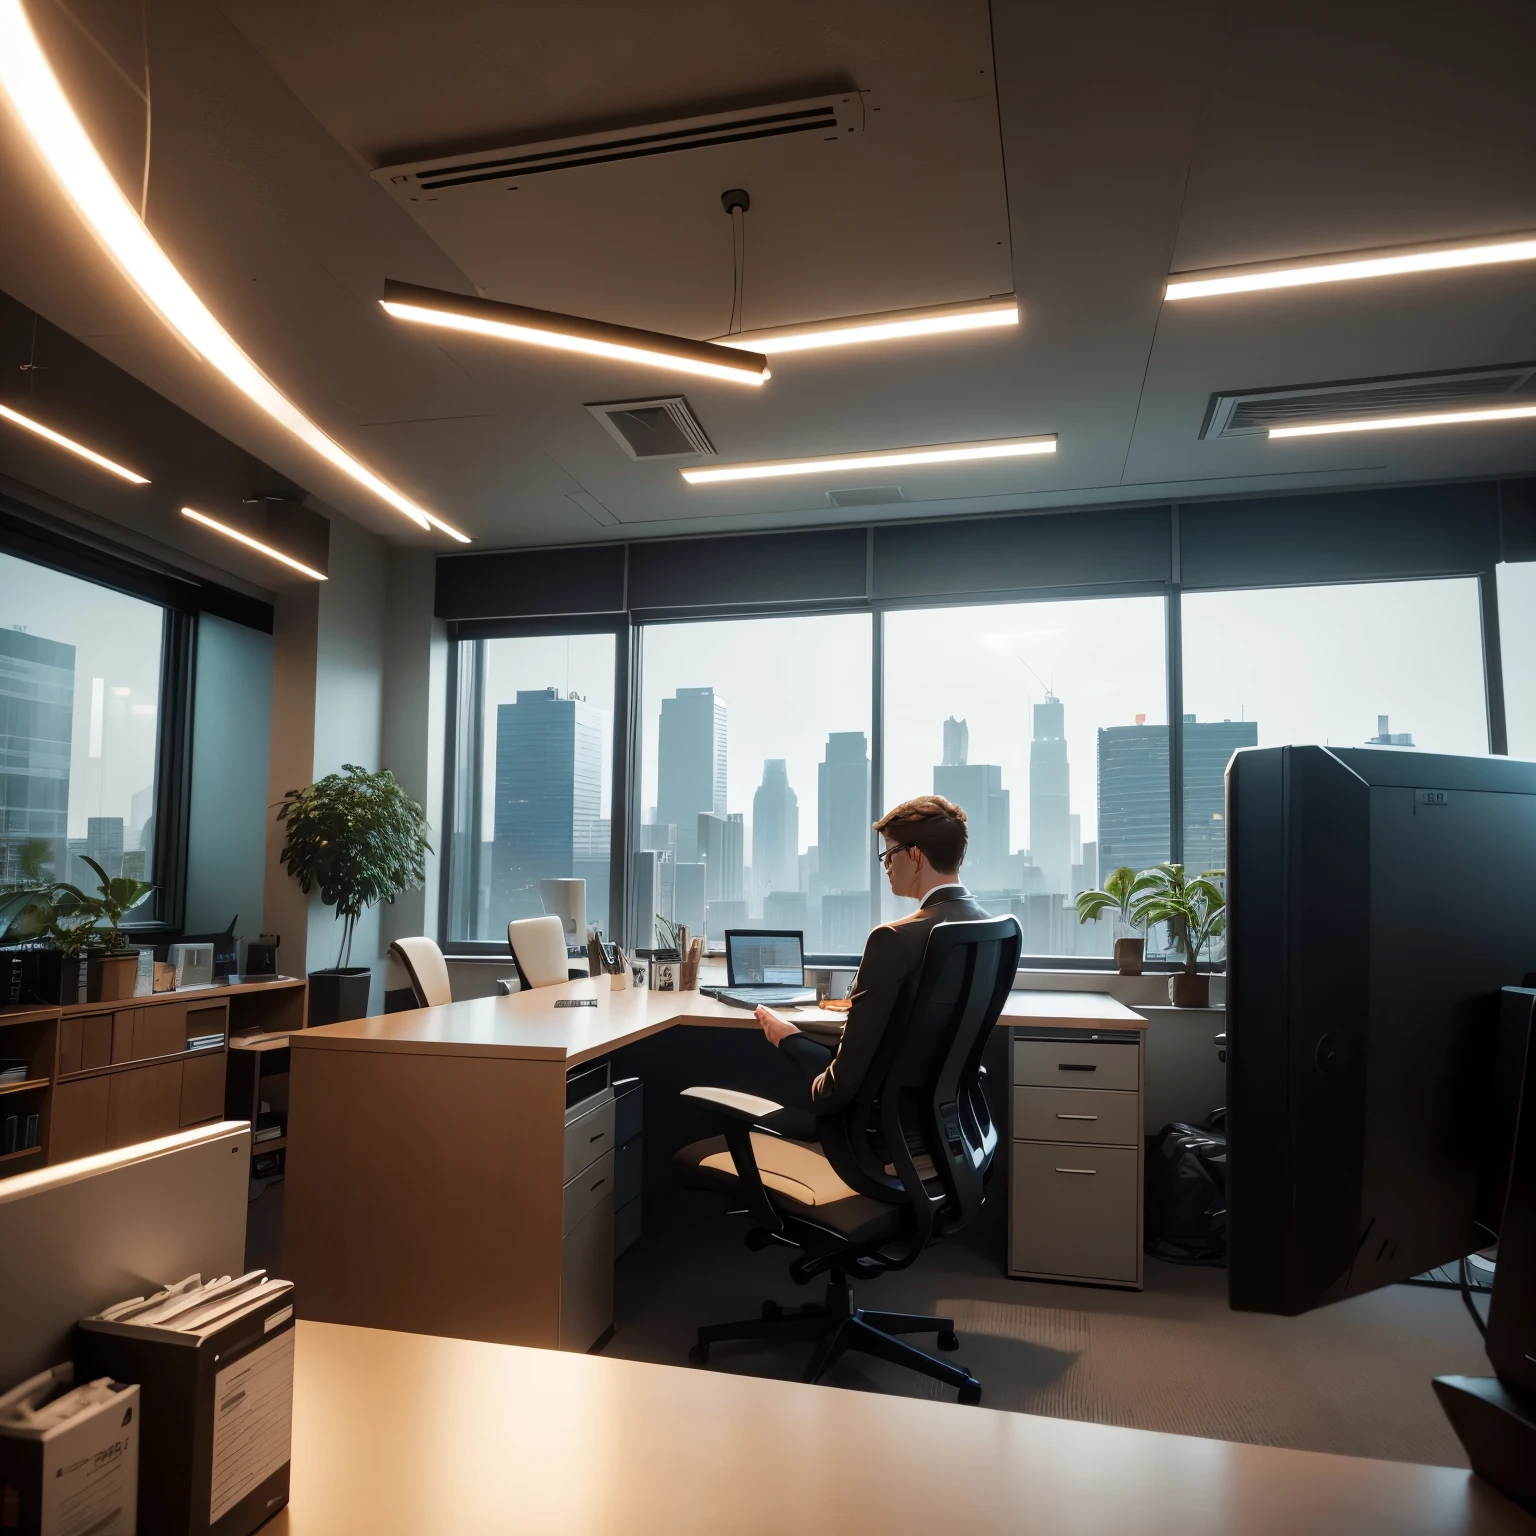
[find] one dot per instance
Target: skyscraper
(957, 742)
(662, 839)
(1386, 737)
(37, 695)
(720, 845)
(549, 775)
(977, 788)
(1208, 748)
(644, 891)
(690, 764)
(1133, 795)
(842, 813)
(775, 834)
(1050, 826)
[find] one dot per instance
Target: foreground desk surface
(398, 1433)
(528, 1026)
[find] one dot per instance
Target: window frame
(630, 625)
(173, 727)
(470, 762)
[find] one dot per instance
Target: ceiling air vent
(827, 116)
(654, 429)
(1243, 413)
(867, 496)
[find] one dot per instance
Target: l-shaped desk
(450, 1169)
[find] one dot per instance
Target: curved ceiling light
(100, 460)
(934, 453)
(45, 113)
(894, 325)
(1352, 268)
(571, 333)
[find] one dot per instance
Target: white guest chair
(425, 969)
(538, 951)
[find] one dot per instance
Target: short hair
(932, 823)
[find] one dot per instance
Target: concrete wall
(231, 731)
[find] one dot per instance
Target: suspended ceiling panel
(861, 201)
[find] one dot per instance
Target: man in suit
(924, 844)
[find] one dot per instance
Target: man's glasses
(890, 853)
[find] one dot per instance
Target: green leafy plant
(68, 918)
(1118, 894)
(1195, 910)
(358, 839)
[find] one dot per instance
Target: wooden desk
(429, 1170)
(396, 1434)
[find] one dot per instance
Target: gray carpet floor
(1353, 1378)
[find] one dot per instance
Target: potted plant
(358, 839)
(1195, 911)
(76, 948)
(1118, 894)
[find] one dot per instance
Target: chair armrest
(735, 1106)
(740, 1112)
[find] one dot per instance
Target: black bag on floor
(1186, 1195)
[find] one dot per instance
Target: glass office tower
(37, 694)
(691, 771)
(549, 769)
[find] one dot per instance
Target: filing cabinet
(586, 1245)
(1075, 1173)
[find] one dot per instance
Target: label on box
(252, 1422)
(91, 1472)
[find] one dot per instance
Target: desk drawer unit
(587, 1208)
(1075, 1175)
(588, 1137)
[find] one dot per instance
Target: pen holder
(619, 979)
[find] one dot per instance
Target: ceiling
(1091, 149)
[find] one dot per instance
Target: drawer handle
(598, 1136)
(1076, 1066)
(1077, 1117)
(599, 1183)
(1089, 1171)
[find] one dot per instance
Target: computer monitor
(1379, 900)
(760, 957)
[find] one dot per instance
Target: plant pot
(1189, 990)
(338, 993)
(110, 978)
(1128, 953)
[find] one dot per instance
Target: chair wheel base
(699, 1355)
(949, 1341)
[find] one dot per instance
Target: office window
(1047, 723)
(1517, 646)
(81, 670)
(1393, 663)
(755, 779)
(532, 792)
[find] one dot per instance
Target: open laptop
(763, 966)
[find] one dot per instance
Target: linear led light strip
(1366, 265)
(100, 460)
(937, 453)
(249, 542)
(1393, 423)
(571, 333)
(44, 111)
(981, 314)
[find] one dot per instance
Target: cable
(1466, 1296)
(148, 116)
(736, 202)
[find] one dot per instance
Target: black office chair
(902, 1166)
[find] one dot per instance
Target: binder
(217, 1431)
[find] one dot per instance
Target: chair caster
(949, 1341)
(699, 1355)
(971, 1396)
(771, 1310)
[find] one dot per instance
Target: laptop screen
(764, 959)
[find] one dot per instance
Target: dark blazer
(893, 954)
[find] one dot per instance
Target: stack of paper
(193, 1307)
